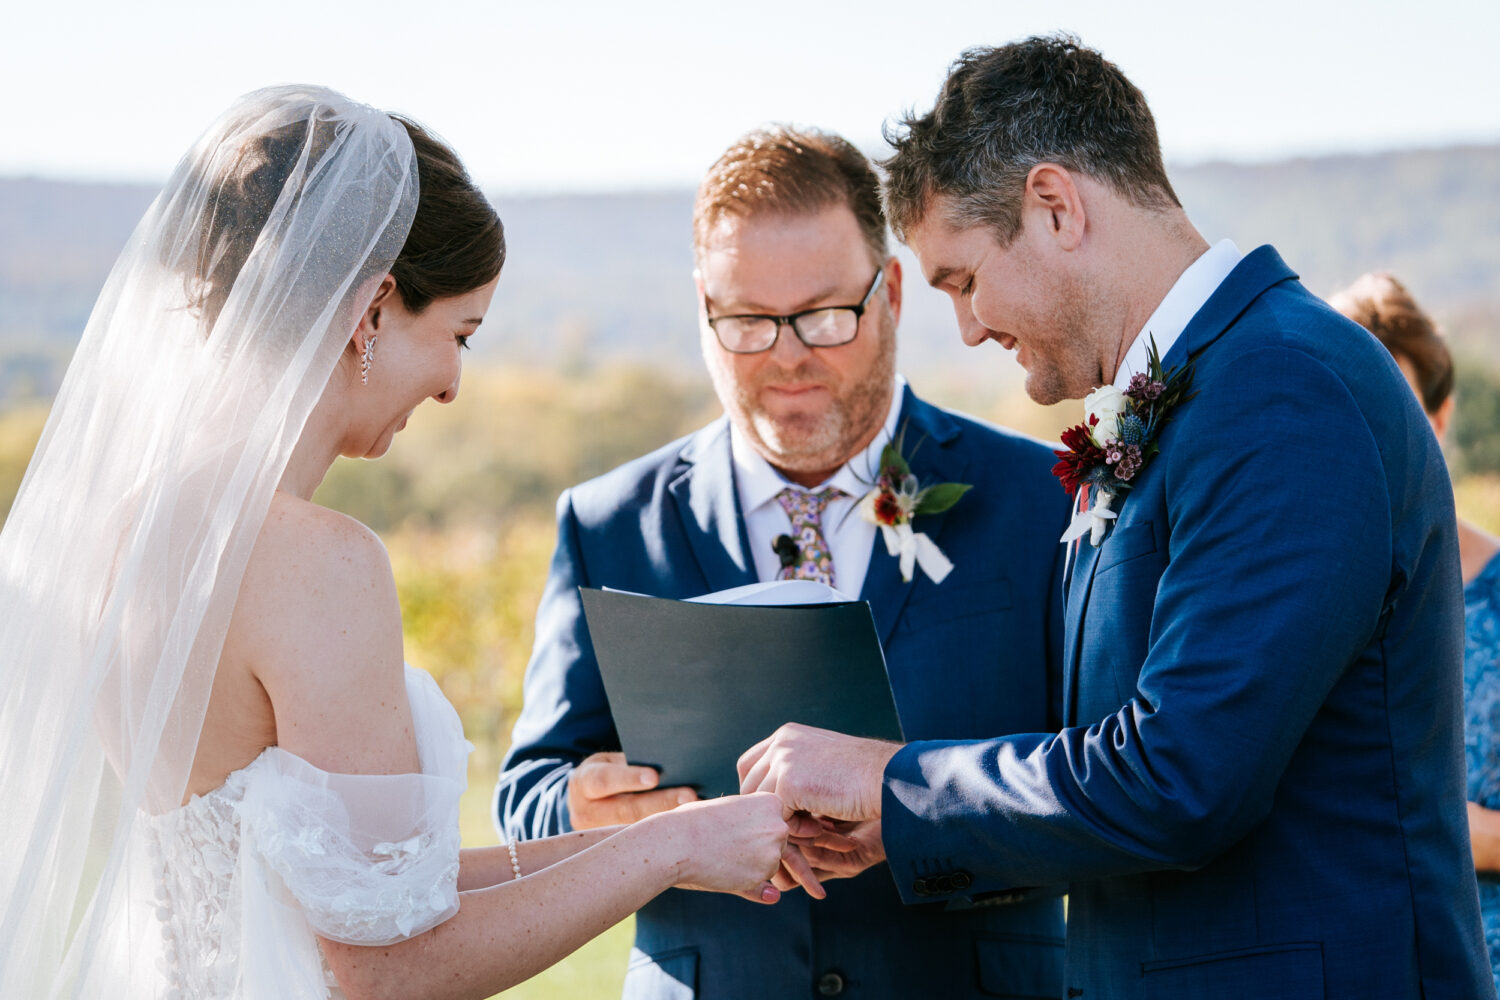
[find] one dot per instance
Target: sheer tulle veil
(120, 561)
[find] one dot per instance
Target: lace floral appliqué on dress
(247, 875)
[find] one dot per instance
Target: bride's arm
(479, 867)
(509, 932)
(319, 613)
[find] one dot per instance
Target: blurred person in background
(1382, 305)
(799, 298)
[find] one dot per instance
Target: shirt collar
(1191, 290)
(757, 482)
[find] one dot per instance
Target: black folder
(693, 686)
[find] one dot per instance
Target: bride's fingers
(765, 893)
(795, 865)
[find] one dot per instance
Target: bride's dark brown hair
(456, 242)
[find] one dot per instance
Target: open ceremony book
(694, 684)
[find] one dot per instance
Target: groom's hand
(840, 850)
(819, 772)
(605, 791)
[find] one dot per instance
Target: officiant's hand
(819, 772)
(605, 791)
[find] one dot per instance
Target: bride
(221, 780)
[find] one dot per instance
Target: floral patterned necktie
(814, 559)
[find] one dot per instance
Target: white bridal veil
(121, 559)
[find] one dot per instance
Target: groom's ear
(370, 322)
(1052, 199)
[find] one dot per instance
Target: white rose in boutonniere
(1101, 413)
(1106, 452)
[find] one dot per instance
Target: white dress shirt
(850, 537)
(1188, 294)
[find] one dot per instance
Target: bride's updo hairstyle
(456, 243)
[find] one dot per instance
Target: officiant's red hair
(779, 170)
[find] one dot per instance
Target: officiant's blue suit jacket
(1260, 792)
(976, 656)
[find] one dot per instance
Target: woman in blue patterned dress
(1381, 305)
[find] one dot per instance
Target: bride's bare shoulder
(301, 536)
(318, 587)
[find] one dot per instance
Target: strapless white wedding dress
(247, 875)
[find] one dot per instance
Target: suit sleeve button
(830, 984)
(962, 880)
(921, 887)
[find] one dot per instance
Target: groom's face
(1023, 296)
(806, 410)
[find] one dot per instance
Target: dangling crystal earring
(369, 358)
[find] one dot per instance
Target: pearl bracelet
(515, 862)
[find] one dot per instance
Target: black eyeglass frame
(858, 310)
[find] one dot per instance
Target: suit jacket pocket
(671, 975)
(1021, 967)
(1126, 543)
(1290, 970)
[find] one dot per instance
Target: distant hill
(603, 276)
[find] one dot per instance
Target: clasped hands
(829, 785)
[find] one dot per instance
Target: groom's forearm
(481, 867)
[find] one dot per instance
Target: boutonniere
(1117, 438)
(896, 498)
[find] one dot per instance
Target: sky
(644, 94)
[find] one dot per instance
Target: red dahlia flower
(1081, 457)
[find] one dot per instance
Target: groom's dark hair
(1047, 99)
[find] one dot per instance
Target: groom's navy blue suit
(1261, 792)
(976, 656)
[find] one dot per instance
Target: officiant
(799, 299)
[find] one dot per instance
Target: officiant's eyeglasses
(829, 326)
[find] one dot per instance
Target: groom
(1260, 789)
(799, 299)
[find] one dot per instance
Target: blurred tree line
(464, 499)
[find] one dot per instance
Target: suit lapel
(709, 509)
(929, 432)
(1256, 272)
(1080, 582)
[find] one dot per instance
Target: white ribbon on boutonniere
(896, 498)
(1092, 521)
(912, 547)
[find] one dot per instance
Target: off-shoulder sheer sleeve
(368, 859)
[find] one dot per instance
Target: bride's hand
(733, 844)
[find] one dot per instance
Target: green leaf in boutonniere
(939, 497)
